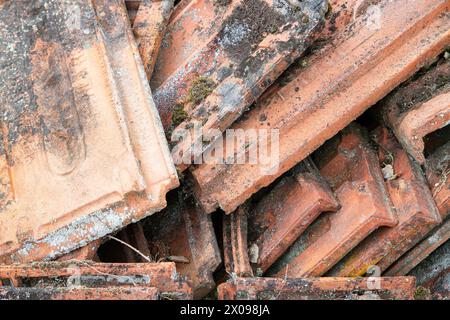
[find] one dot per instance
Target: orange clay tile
(79, 158)
(240, 47)
(162, 276)
(88, 252)
(437, 170)
(437, 173)
(398, 288)
(149, 27)
(436, 266)
(415, 208)
(236, 258)
(351, 167)
(184, 232)
(327, 90)
(53, 293)
(420, 108)
(413, 257)
(282, 215)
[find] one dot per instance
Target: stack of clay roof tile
(103, 192)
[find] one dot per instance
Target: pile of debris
(230, 149)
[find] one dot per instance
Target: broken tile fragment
(414, 205)
(360, 65)
(80, 158)
(283, 214)
(397, 288)
(350, 165)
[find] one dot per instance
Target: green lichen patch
(201, 88)
(178, 115)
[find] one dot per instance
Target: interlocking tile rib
(415, 208)
(436, 169)
(351, 166)
(283, 214)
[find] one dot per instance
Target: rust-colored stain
(54, 293)
(239, 47)
(351, 166)
(235, 251)
(283, 214)
(416, 210)
(162, 276)
(79, 159)
(397, 288)
(420, 108)
(360, 64)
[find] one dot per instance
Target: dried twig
(132, 248)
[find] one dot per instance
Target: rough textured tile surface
(437, 169)
(420, 108)
(236, 49)
(415, 208)
(437, 173)
(79, 158)
(350, 165)
(434, 273)
(283, 214)
(235, 243)
(149, 27)
(162, 276)
(360, 65)
(88, 252)
(110, 293)
(398, 288)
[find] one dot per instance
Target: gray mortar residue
(77, 234)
